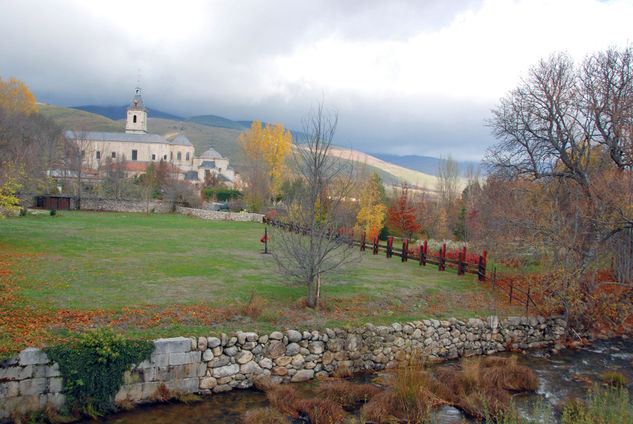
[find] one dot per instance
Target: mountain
(70, 119)
(218, 121)
(120, 112)
(426, 164)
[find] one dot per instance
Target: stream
(566, 375)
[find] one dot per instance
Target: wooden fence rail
(421, 255)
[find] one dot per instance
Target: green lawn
(114, 262)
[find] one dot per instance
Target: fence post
(405, 250)
(423, 255)
(460, 264)
(376, 245)
(483, 269)
(480, 268)
(527, 303)
(362, 242)
(265, 240)
(511, 287)
(389, 246)
(494, 277)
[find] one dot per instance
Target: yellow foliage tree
(9, 185)
(15, 97)
(372, 212)
(265, 150)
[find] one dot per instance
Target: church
(136, 150)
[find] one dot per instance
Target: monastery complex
(136, 150)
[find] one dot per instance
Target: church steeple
(136, 115)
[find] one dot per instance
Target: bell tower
(136, 115)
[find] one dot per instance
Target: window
(98, 154)
(187, 156)
(179, 156)
(134, 155)
(164, 157)
(153, 156)
(134, 119)
(113, 155)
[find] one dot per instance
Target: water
(563, 376)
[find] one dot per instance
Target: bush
(53, 212)
(221, 194)
(613, 378)
(23, 212)
(93, 367)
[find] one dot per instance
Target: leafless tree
(315, 208)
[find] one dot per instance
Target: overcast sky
(406, 77)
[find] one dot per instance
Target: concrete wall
(217, 364)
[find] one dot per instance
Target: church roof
(211, 154)
(110, 136)
(207, 164)
(137, 100)
(181, 139)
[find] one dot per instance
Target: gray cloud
(223, 58)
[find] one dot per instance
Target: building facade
(136, 150)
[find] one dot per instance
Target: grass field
(162, 275)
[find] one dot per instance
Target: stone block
(148, 390)
(172, 345)
(135, 391)
(189, 385)
(9, 389)
(182, 358)
(244, 357)
(213, 342)
(222, 388)
(207, 355)
(250, 368)
(55, 385)
(39, 371)
(160, 359)
(57, 400)
(293, 336)
(33, 386)
(32, 356)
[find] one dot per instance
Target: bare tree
(315, 209)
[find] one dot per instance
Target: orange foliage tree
(402, 216)
(15, 97)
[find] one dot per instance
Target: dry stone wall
(222, 363)
(221, 215)
(124, 206)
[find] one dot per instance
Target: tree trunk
(314, 288)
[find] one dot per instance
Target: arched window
(187, 156)
(134, 119)
(179, 156)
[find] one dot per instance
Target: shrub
(53, 212)
(347, 394)
(93, 367)
(606, 406)
(23, 212)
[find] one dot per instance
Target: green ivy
(93, 367)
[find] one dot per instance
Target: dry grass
(506, 374)
(342, 371)
(347, 394)
(254, 307)
(321, 411)
(263, 416)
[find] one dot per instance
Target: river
(565, 375)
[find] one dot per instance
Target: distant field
(160, 275)
(70, 119)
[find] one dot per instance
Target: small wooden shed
(56, 201)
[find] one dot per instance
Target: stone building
(135, 150)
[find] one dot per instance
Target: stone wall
(217, 364)
(221, 215)
(124, 205)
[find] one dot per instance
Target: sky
(405, 77)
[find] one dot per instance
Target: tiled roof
(207, 164)
(211, 154)
(181, 139)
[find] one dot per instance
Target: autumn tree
(402, 216)
(315, 207)
(265, 151)
(564, 134)
(15, 97)
(372, 212)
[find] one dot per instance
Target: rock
(207, 355)
(230, 351)
(244, 357)
(250, 368)
(298, 361)
(283, 361)
(315, 348)
(219, 361)
(352, 343)
(292, 349)
(328, 357)
(226, 371)
(302, 375)
(276, 335)
(266, 363)
(202, 343)
(275, 349)
(280, 371)
(222, 388)
(213, 342)
(293, 336)
(208, 382)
